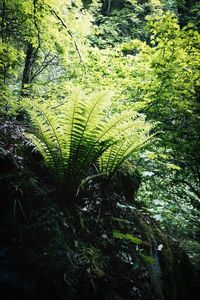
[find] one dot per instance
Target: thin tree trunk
(108, 7)
(3, 20)
(26, 77)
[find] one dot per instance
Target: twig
(43, 66)
(70, 34)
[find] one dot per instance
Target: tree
(169, 83)
(37, 36)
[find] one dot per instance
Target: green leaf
(152, 155)
(127, 236)
(148, 259)
(174, 167)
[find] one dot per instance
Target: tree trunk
(26, 77)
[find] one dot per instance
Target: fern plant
(134, 136)
(77, 133)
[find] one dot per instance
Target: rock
(7, 163)
(49, 253)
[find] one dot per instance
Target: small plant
(92, 263)
(136, 241)
(127, 236)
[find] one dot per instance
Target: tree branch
(70, 34)
(43, 66)
(38, 31)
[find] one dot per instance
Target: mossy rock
(47, 252)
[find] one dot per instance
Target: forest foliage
(146, 54)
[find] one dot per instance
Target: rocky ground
(107, 248)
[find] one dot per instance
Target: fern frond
(133, 137)
(46, 139)
(92, 110)
(107, 132)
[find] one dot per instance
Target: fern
(73, 136)
(47, 139)
(132, 135)
(63, 135)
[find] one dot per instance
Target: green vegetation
(73, 135)
(103, 97)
